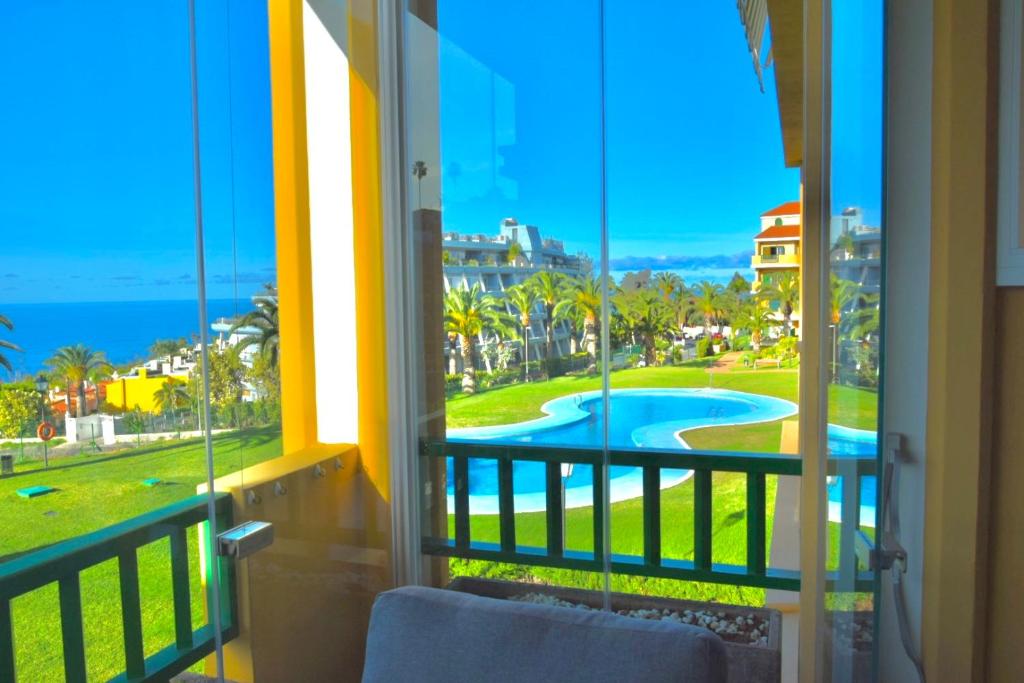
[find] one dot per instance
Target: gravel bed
(750, 629)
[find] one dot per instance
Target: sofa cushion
(429, 634)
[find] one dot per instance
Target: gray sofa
(427, 634)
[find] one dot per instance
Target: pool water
(640, 418)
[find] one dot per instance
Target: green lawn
(95, 492)
(848, 406)
(728, 541)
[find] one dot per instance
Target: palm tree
(523, 299)
(584, 301)
(419, 170)
(549, 289)
(171, 395)
(4, 362)
(467, 314)
(785, 291)
(647, 317)
(77, 364)
(668, 284)
(709, 302)
(758, 319)
(264, 319)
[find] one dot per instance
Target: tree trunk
(549, 334)
(591, 342)
(468, 369)
(453, 363)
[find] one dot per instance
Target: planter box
(747, 663)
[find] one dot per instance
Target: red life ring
(46, 431)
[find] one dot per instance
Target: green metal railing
(755, 573)
(63, 563)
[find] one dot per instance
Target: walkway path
(726, 362)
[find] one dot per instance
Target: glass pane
(100, 319)
(854, 332)
(704, 237)
(505, 160)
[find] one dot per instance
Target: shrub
(786, 348)
(497, 378)
(704, 347)
(453, 383)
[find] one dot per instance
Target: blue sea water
(124, 330)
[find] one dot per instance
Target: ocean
(124, 330)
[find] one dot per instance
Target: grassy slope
(95, 492)
(849, 406)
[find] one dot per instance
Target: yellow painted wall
(333, 530)
(129, 393)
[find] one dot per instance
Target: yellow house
(777, 246)
(137, 391)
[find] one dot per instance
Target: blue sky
(693, 148)
(96, 200)
(96, 196)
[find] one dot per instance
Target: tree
(738, 285)
(77, 364)
(419, 171)
(172, 395)
(266, 377)
(227, 375)
(785, 291)
(467, 314)
(756, 317)
(515, 252)
(264, 319)
(167, 347)
(549, 289)
(584, 301)
(4, 362)
(135, 422)
(18, 408)
(646, 317)
(709, 303)
(844, 243)
(523, 300)
(669, 285)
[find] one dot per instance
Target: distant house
(777, 246)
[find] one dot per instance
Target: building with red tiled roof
(782, 210)
(777, 246)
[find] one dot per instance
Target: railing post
(598, 488)
(131, 614)
(506, 505)
(461, 473)
(652, 515)
(702, 520)
(6, 642)
(555, 508)
(180, 585)
(70, 593)
(755, 523)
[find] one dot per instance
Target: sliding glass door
(645, 344)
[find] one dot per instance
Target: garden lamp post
(42, 384)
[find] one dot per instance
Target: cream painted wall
(329, 148)
(908, 237)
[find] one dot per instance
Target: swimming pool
(647, 418)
